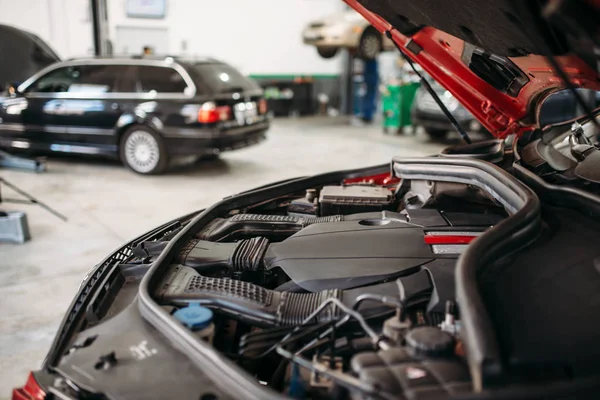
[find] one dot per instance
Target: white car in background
(346, 29)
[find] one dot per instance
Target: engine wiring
(295, 334)
(377, 340)
(328, 337)
(344, 380)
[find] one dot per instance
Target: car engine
(335, 291)
(433, 277)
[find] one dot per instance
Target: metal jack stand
(9, 161)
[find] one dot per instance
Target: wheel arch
(152, 129)
(129, 120)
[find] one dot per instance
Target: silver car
(346, 29)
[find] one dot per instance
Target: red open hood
(501, 110)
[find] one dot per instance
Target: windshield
(221, 78)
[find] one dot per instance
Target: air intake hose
(244, 255)
(257, 305)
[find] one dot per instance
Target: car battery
(334, 200)
(14, 227)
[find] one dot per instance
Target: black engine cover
(351, 253)
(340, 252)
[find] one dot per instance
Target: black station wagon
(143, 110)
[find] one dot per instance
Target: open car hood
(492, 56)
(25, 53)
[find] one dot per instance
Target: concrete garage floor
(108, 205)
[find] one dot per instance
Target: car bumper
(209, 141)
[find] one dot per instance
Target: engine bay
(348, 289)
(432, 277)
(334, 290)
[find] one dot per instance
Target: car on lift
(347, 29)
(143, 110)
(23, 54)
(470, 274)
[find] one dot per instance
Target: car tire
(327, 52)
(143, 150)
(436, 133)
(370, 44)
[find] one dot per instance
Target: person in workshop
(147, 51)
(371, 80)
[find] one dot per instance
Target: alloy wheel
(142, 152)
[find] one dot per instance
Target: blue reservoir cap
(194, 316)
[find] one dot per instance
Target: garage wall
(64, 24)
(260, 37)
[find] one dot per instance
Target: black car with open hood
(470, 274)
(23, 54)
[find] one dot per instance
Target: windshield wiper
(432, 92)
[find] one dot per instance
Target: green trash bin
(391, 108)
(407, 96)
(396, 103)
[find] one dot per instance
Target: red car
(473, 274)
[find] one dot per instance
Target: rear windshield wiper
(432, 92)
